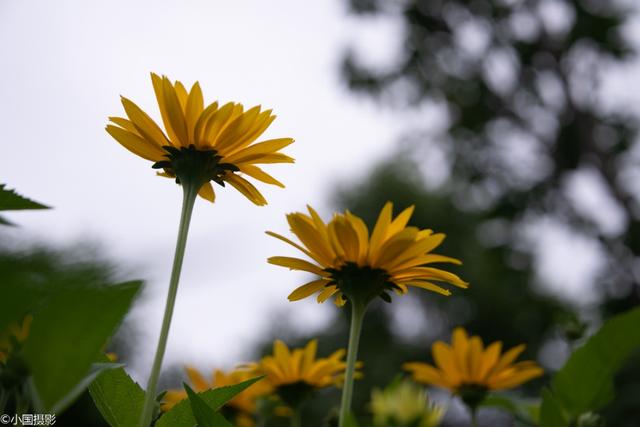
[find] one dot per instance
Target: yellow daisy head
(201, 144)
(297, 373)
(241, 408)
(404, 403)
(352, 263)
(468, 369)
(13, 337)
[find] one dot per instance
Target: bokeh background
(510, 124)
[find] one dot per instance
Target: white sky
(64, 64)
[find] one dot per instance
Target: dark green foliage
(12, 201)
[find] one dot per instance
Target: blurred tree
(520, 81)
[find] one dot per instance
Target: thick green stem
(296, 418)
(474, 417)
(189, 198)
(357, 316)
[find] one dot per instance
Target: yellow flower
(297, 373)
(404, 404)
(212, 143)
(467, 369)
(286, 367)
(15, 334)
(242, 406)
(351, 263)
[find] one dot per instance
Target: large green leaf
(118, 398)
(12, 201)
(70, 329)
(550, 412)
(585, 382)
(203, 413)
(181, 414)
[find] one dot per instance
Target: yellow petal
(175, 113)
(195, 106)
(292, 243)
(157, 82)
(380, 229)
(430, 287)
(207, 193)
(136, 144)
(260, 175)
(443, 356)
(246, 188)
(259, 151)
(327, 293)
(307, 289)
(401, 220)
(296, 264)
(197, 380)
(144, 124)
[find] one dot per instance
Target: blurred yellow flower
(242, 407)
(214, 142)
(300, 365)
(351, 263)
(467, 369)
(404, 404)
(14, 335)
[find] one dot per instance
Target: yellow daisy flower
(296, 373)
(241, 408)
(353, 263)
(201, 144)
(468, 369)
(14, 335)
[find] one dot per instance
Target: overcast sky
(65, 64)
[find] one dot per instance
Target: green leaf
(181, 413)
(585, 382)
(68, 333)
(95, 371)
(12, 201)
(203, 413)
(118, 398)
(551, 412)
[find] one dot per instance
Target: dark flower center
(472, 394)
(295, 394)
(194, 166)
(362, 283)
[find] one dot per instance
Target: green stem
(474, 417)
(189, 197)
(357, 316)
(296, 417)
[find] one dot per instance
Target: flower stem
(296, 417)
(357, 316)
(190, 191)
(474, 417)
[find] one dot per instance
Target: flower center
(193, 166)
(295, 394)
(472, 394)
(362, 283)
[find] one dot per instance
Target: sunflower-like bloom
(242, 407)
(13, 336)
(468, 369)
(351, 263)
(203, 144)
(403, 404)
(296, 373)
